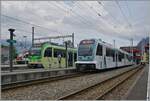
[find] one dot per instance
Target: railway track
(98, 90)
(14, 85)
(42, 80)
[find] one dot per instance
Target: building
(140, 52)
(143, 46)
(135, 50)
(4, 54)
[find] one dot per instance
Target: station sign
(11, 41)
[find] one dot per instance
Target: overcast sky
(107, 20)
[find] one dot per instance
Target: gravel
(96, 91)
(120, 92)
(54, 90)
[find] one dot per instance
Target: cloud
(87, 19)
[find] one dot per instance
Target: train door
(99, 56)
(108, 58)
(47, 58)
(59, 58)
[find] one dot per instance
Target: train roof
(35, 48)
(109, 45)
(57, 46)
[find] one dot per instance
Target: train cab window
(107, 52)
(48, 52)
(99, 50)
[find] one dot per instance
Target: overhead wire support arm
(53, 37)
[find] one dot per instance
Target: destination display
(87, 42)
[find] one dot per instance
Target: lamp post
(25, 37)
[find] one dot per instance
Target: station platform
(8, 77)
(15, 67)
(140, 87)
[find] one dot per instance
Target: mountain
(20, 46)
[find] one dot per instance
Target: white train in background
(96, 54)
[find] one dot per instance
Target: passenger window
(113, 55)
(48, 52)
(107, 52)
(121, 56)
(75, 56)
(99, 50)
(59, 51)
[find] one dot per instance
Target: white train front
(96, 54)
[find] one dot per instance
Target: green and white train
(52, 56)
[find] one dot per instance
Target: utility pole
(73, 47)
(132, 48)
(11, 41)
(32, 36)
(115, 55)
(73, 39)
(66, 46)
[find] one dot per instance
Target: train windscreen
(35, 52)
(86, 48)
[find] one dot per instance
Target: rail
(83, 91)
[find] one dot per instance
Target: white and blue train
(95, 54)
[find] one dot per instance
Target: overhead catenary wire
(113, 24)
(25, 22)
(73, 12)
(100, 3)
(84, 19)
(125, 18)
(101, 16)
(129, 11)
(78, 5)
(21, 30)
